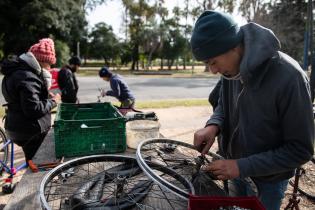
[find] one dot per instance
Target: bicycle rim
(108, 182)
(307, 180)
(185, 161)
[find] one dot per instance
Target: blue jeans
(269, 194)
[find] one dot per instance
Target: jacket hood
(260, 44)
(23, 62)
(30, 59)
(10, 65)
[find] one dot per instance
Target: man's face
(44, 65)
(105, 78)
(226, 64)
(75, 67)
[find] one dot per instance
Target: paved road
(148, 88)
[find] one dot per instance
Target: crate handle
(85, 108)
(98, 126)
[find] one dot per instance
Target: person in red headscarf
(25, 89)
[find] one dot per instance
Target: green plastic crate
(85, 129)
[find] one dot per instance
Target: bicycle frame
(11, 170)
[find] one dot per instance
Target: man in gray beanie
(264, 113)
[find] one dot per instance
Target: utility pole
(78, 49)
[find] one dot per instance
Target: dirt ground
(178, 123)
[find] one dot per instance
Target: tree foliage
(104, 43)
(151, 30)
(23, 22)
(285, 18)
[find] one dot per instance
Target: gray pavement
(151, 88)
(147, 88)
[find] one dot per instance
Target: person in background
(25, 89)
(119, 88)
(67, 81)
(54, 88)
(264, 112)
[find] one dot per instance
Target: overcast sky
(111, 13)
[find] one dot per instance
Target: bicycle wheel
(307, 180)
(185, 161)
(108, 182)
(4, 152)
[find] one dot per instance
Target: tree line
(151, 32)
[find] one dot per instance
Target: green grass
(171, 103)
(157, 104)
(173, 73)
(168, 103)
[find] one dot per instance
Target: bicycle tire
(189, 172)
(5, 151)
(84, 178)
(307, 180)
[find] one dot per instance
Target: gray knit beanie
(214, 34)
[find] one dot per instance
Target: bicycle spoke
(183, 159)
(84, 184)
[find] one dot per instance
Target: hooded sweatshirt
(25, 91)
(68, 85)
(266, 117)
(119, 88)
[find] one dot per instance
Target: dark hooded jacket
(119, 88)
(26, 94)
(68, 85)
(266, 118)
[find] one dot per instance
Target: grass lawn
(155, 104)
(198, 71)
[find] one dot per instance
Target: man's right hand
(103, 92)
(204, 138)
(57, 98)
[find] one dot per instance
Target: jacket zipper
(237, 126)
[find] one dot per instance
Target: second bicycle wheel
(4, 152)
(109, 182)
(307, 180)
(185, 160)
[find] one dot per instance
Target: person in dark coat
(67, 81)
(28, 117)
(264, 112)
(119, 88)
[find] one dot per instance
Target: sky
(111, 13)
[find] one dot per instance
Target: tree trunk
(135, 57)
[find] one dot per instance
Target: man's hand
(223, 169)
(57, 98)
(103, 92)
(204, 138)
